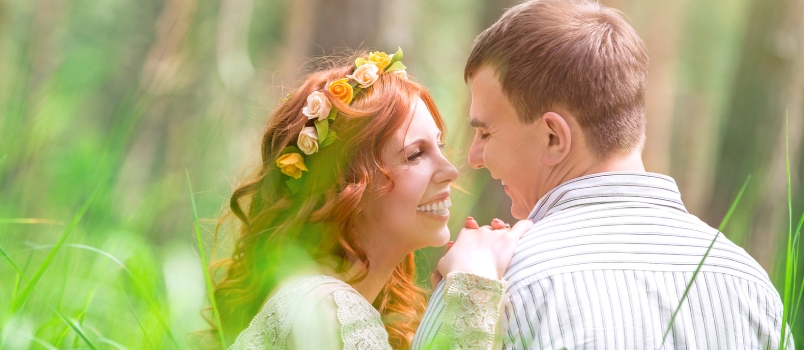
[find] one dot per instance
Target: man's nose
(476, 154)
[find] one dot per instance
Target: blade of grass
(207, 277)
(142, 290)
(797, 304)
(41, 342)
(22, 298)
(792, 253)
(31, 221)
(75, 327)
(18, 280)
(698, 269)
(136, 318)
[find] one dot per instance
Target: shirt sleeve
(462, 314)
(431, 321)
(361, 324)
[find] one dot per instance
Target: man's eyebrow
(477, 124)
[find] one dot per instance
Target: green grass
(207, 276)
(791, 305)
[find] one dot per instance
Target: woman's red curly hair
(320, 219)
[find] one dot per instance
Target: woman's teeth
(439, 208)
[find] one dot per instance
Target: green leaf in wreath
(334, 112)
(360, 61)
(397, 57)
(295, 185)
(395, 67)
(322, 127)
(331, 137)
(290, 149)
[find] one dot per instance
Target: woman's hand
(485, 251)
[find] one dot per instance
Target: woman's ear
(559, 138)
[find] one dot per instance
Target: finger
(521, 227)
(497, 224)
(470, 223)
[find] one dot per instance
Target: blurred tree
(662, 38)
(769, 82)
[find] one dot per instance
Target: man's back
(607, 263)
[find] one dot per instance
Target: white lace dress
(322, 312)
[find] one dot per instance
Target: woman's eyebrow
(418, 141)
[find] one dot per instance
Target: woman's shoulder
(340, 317)
(272, 324)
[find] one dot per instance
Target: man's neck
(577, 165)
(631, 162)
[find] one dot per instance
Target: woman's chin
(442, 237)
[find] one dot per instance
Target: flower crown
(319, 108)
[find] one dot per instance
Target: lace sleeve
(361, 325)
(471, 311)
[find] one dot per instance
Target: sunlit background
(122, 99)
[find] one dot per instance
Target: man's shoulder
(624, 237)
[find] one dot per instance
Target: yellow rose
(381, 59)
(291, 164)
(342, 89)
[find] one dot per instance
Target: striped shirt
(605, 265)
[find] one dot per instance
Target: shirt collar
(610, 187)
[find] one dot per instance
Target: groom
(558, 104)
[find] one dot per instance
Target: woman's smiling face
(413, 214)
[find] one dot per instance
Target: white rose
(308, 140)
(401, 73)
(318, 106)
(365, 75)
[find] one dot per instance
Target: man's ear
(559, 138)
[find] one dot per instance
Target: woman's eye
(415, 155)
(442, 145)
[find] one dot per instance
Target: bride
(353, 180)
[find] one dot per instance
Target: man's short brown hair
(571, 54)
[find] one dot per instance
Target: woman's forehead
(420, 124)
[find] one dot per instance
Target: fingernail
(469, 218)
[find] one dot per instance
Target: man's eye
(484, 135)
(415, 155)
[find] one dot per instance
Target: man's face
(511, 150)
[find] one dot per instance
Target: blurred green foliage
(120, 98)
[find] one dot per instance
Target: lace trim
(471, 311)
(270, 328)
(361, 325)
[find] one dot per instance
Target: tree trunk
(770, 81)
